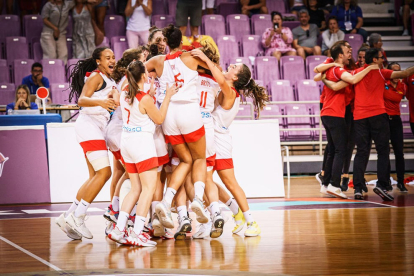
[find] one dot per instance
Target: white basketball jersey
(133, 119)
(223, 118)
(147, 86)
(207, 89)
(101, 94)
(175, 71)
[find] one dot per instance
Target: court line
(30, 254)
(384, 204)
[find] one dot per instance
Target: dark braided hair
(249, 87)
(122, 64)
(79, 70)
(134, 74)
(153, 51)
(173, 36)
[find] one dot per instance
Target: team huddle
(166, 119)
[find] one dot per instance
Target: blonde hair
(23, 86)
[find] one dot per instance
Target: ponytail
(249, 87)
(134, 73)
(79, 70)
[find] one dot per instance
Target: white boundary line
(30, 254)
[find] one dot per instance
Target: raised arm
(353, 79)
(335, 86)
(323, 67)
(402, 74)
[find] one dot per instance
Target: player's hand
(152, 90)
(170, 91)
(198, 53)
(108, 104)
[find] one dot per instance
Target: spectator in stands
(306, 36)
(278, 40)
(408, 6)
(208, 7)
(36, 79)
(393, 93)
(317, 16)
(156, 37)
(29, 7)
(330, 36)
(22, 100)
(250, 7)
(55, 16)
(297, 5)
(83, 35)
(375, 41)
(100, 12)
(349, 17)
(138, 25)
(192, 9)
(9, 6)
(361, 56)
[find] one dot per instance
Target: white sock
(82, 208)
(199, 189)
(248, 216)
(134, 210)
(215, 208)
(72, 207)
(122, 220)
(233, 206)
(182, 211)
(139, 224)
(153, 204)
(208, 214)
(115, 203)
(169, 195)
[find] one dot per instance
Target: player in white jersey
(139, 115)
(96, 95)
(237, 78)
(183, 126)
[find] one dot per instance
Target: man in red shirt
(333, 118)
(371, 122)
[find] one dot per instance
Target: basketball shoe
(240, 221)
(109, 227)
(336, 191)
(60, 221)
(118, 236)
(252, 230)
(198, 207)
(78, 225)
(111, 215)
(217, 226)
(203, 230)
(163, 211)
(138, 240)
(159, 229)
(182, 229)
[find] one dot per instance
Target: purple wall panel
(25, 177)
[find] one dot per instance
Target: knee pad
(99, 159)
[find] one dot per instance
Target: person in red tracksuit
(393, 93)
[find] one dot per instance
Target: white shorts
(224, 148)
(160, 146)
(113, 137)
(138, 151)
(183, 123)
(210, 148)
(90, 132)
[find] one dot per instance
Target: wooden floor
(305, 234)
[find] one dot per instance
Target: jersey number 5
(203, 99)
(178, 82)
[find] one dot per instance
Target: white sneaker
(60, 221)
(78, 225)
(138, 240)
(118, 236)
(109, 227)
(217, 226)
(405, 33)
(182, 229)
(168, 234)
(203, 230)
(159, 229)
(163, 210)
(324, 190)
(198, 207)
(336, 191)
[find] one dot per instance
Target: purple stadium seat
(281, 90)
(158, 7)
(105, 43)
(7, 93)
(290, 15)
(164, 23)
(260, 22)
(118, 39)
(213, 25)
(307, 90)
(16, 48)
(244, 60)
(266, 69)
(404, 108)
(246, 112)
(276, 5)
(10, 26)
(162, 17)
(54, 70)
(4, 72)
(119, 48)
(69, 29)
(273, 111)
(355, 40)
(226, 9)
(33, 26)
(291, 24)
(315, 110)
(69, 66)
(311, 63)
(228, 49)
(298, 122)
(59, 93)
(238, 25)
(172, 7)
(114, 26)
(293, 72)
(69, 45)
(251, 45)
(21, 69)
(290, 59)
(37, 52)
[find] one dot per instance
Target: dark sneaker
(358, 195)
(364, 186)
(402, 187)
(388, 187)
(383, 194)
(344, 185)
